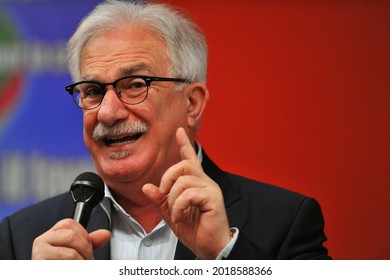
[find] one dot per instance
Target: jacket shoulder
(18, 231)
(45, 211)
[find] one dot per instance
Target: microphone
(87, 191)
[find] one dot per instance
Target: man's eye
(137, 85)
(93, 92)
(132, 84)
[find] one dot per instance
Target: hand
(68, 240)
(191, 203)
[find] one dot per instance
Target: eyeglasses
(131, 90)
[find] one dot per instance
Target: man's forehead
(119, 55)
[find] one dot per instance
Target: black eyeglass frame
(148, 80)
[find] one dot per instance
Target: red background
(300, 98)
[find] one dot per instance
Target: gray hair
(185, 43)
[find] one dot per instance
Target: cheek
(89, 124)
(172, 108)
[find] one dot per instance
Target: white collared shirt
(129, 241)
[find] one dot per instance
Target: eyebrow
(134, 69)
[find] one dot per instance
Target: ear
(197, 98)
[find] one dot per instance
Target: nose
(112, 109)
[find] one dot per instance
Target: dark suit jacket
(274, 223)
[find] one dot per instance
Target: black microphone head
(88, 187)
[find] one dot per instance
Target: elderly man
(139, 72)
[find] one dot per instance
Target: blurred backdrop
(300, 98)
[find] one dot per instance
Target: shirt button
(148, 242)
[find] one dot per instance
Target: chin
(119, 168)
(117, 175)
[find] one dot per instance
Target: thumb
(152, 192)
(99, 238)
(158, 200)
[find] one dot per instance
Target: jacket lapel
(235, 209)
(183, 253)
(99, 220)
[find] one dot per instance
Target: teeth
(122, 140)
(115, 138)
(120, 143)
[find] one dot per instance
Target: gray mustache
(102, 131)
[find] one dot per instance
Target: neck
(139, 208)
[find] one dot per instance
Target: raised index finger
(187, 151)
(185, 167)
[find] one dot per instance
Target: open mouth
(121, 140)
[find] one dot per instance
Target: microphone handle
(82, 212)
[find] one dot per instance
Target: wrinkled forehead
(124, 51)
